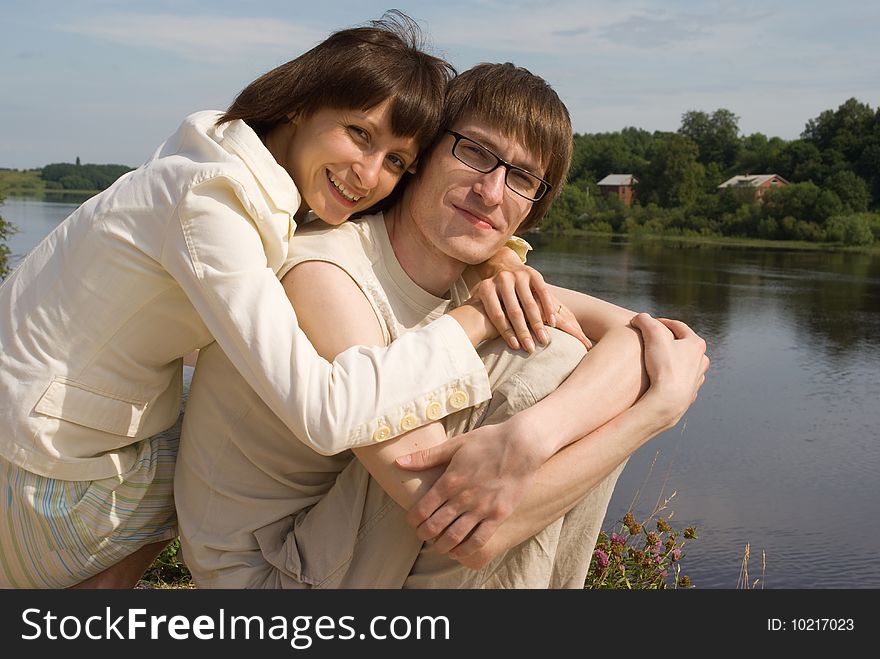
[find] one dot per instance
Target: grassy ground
(167, 571)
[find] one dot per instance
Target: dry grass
(744, 583)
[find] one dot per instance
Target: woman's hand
(519, 303)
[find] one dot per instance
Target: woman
(189, 249)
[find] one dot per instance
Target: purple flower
(601, 558)
(676, 554)
(656, 548)
(664, 574)
(617, 539)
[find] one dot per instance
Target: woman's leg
(127, 572)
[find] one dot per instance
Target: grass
(167, 571)
(744, 582)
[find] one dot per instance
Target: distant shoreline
(720, 241)
(79, 196)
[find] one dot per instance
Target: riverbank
(702, 240)
(41, 193)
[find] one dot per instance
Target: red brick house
(758, 183)
(619, 185)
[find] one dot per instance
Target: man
(529, 473)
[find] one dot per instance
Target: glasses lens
(480, 158)
(524, 183)
(474, 155)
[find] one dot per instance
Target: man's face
(461, 212)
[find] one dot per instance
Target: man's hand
(676, 363)
(488, 473)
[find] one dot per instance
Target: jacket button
(458, 399)
(433, 411)
(381, 434)
(408, 422)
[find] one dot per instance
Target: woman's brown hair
(355, 68)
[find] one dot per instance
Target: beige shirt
(186, 250)
(238, 471)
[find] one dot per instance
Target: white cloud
(209, 39)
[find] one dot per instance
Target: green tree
(759, 155)
(673, 177)
(81, 177)
(6, 230)
(843, 129)
(803, 201)
(852, 190)
(852, 229)
(849, 138)
(798, 161)
(573, 203)
(716, 135)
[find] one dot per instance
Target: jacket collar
(239, 138)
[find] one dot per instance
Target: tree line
(57, 176)
(833, 170)
(75, 176)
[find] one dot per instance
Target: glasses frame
(500, 162)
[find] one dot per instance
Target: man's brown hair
(524, 107)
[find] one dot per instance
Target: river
(780, 452)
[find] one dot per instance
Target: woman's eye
(359, 133)
(397, 162)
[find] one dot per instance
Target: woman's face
(342, 161)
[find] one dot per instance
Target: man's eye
(476, 154)
(522, 180)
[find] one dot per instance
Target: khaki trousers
(356, 536)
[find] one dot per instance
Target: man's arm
(335, 314)
(596, 317)
(490, 469)
(676, 362)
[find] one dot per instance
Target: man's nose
(491, 186)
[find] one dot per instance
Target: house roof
(750, 180)
(619, 179)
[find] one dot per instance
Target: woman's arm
(335, 314)
(226, 265)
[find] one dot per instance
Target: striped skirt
(56, 533)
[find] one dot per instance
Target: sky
(108, 80)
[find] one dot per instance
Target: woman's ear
(413, 168)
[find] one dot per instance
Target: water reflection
(780, 450)
(826, 292)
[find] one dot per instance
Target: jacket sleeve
(217, 254)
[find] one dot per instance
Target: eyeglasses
(478, 157)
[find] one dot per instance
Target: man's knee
(519, 379)
(550, 365)
(565, 349)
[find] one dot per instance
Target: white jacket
(185, 250)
